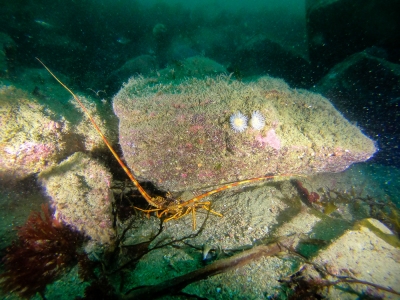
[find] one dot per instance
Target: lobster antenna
(242, 182)
(121, 163)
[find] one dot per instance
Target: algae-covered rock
(42, 87)
(143, 65)
(369, 252)
(41, 124)
(195, 66)
(180, 135)
(80, 190)
(31, 139)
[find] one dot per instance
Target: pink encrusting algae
(271, 140)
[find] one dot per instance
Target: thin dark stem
(176, 284)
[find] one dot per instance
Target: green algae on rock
(31, 139)
(41, 125)
(178, 135)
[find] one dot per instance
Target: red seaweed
(44, 250)
(310, 197)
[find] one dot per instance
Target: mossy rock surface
(41, 124)
(79, 188)
(178, 135)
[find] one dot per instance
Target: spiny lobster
(166, 207)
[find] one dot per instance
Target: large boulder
(199, 132)
(368, 252)
(142, 65)
(31, 138)
(79, 188)
(41, 124)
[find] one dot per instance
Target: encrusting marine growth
(79, 188)
(196, 133)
